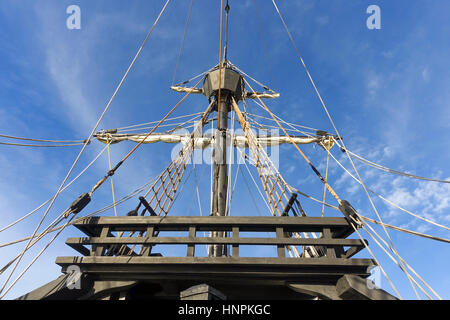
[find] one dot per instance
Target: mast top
(231, 83)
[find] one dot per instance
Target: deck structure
(131, 266)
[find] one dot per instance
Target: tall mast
(220, 180)
(223, 84)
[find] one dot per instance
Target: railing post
(147, 249)
(280, 248)
(235, 252)
(99, 250)
(330, 251)
(192, 236)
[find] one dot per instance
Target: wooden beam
(245, 223)
(235, 252)
(191, 244)
(279, 241)
(281, 244)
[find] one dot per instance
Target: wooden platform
(131, 256)
(123, 257)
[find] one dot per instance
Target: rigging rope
(112, 183)
(399, 264)
(333, 193)
(334, 126)
(182, 41)
(36, 257)
(167, 120)
(111, 172)
(386, 169)
(254, 80)
(279, 181)
(41, 145)
(85, 144)
(376, 261)
(97, 212)
(292, 125)
(42, 140)
(43, 204)
(407, 265)
(220, 61)
(227, 10)
(326, 178)
(387, 200)
(251, 194)
(406, 230)
(264, 42)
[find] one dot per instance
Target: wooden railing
(104, 239)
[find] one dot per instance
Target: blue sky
(387, 91)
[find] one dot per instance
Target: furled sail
(248, 95)
(203, 142)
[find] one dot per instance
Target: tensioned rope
(262, 163)
(392, 247)
(175, 196)
(195, 115)
(112, 182)
(333, 193)
(220, 61)
(41, 145)
(275, 200)
(110, 173)
(182, 41)
(229, 173)
(37, 256)
(41, 140)
(250, 192)
(122, 200)
(65, 187)
(263, 41)
(376, 261)
(401, 262)
(387, 200)
(254, 80)
(415, 233)
(398, 263)
(85, 144)
(164, 202)
(386, 169)
(326, 178)
(179, 164)
(407, 265)
(292, 125)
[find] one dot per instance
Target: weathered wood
(326, 270)
(352, 251)
(215, 260)
(202, 292)
(99, 250)
(330, 252)
(225, 268)
(191, 244)
(280, 241)
(235, 252)
(281, 246)
(176, 223)
(80, 248)
(351, 287)
(147, 249)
